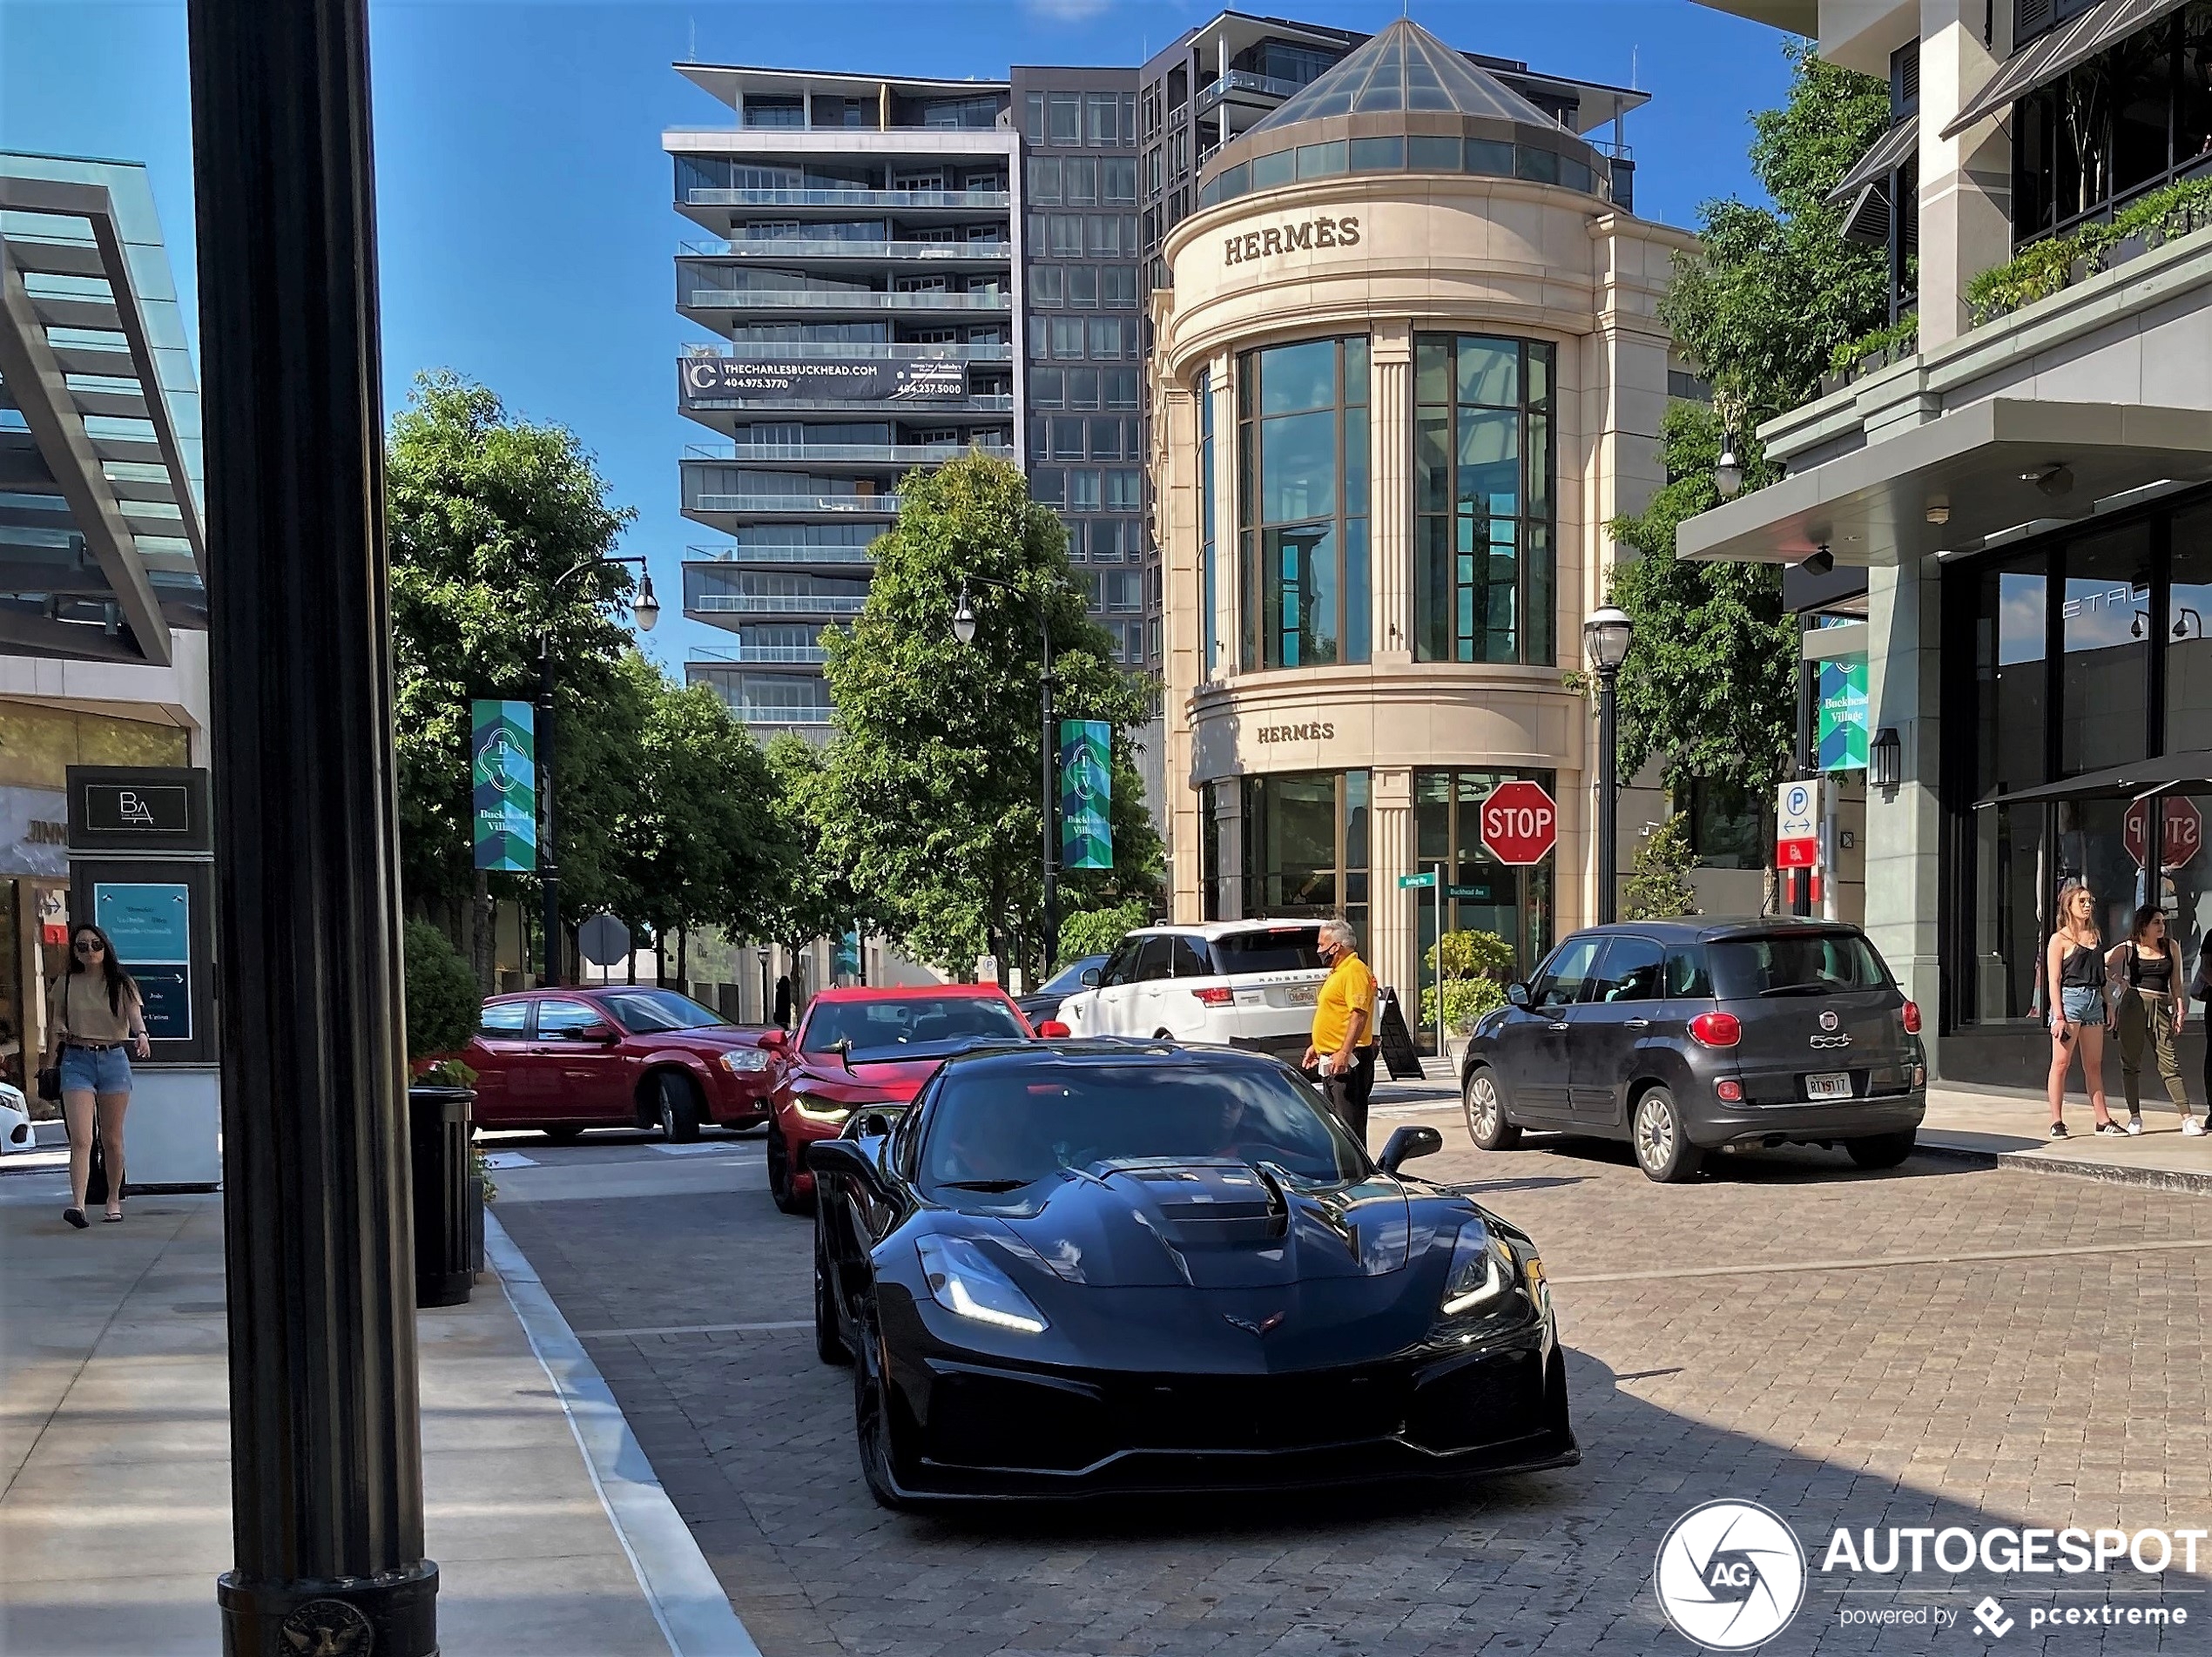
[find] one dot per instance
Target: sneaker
(2135, 1125)
(2111, 1128)
(2193, 1128)
(2058, 1130)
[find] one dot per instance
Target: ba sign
(1796, 825)
(1520, 823)
(2184, 836)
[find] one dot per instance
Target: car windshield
(642, 1012)
(998, 1127)
(1803, 963)
(1279, 949)
(898, 1026)
(1071, 976)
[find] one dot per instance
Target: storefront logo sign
(1320, 731)
(1323, 232)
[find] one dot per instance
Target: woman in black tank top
(2073, 981)
(2146, 972)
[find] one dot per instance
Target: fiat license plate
(1835, 1085)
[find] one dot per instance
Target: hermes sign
(1323, 232)
(1317, 731)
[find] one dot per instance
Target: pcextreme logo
(1730, 1575)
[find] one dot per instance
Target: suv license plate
(1835, 1085)
(1303, 994)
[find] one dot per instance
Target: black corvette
(1108, 1267)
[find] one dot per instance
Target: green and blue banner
(502, 774)
(1086, 794)
(1843, 713)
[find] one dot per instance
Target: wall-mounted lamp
(1820, 563)
(1886, 760)
(1938, 510)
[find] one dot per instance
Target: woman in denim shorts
(94, 1019)
(2073, 976)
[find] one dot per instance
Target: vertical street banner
(502, 774)
(1843, 713)
(1086, 794)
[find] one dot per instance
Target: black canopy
(2136, 781)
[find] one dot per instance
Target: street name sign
(1409, 882)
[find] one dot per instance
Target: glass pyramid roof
(1403, 68)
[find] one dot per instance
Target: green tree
(487, 517)
(1095, 932)
(930, 795)
(812, 896)
(1658, 885)
(442, 995)
(1709, 685)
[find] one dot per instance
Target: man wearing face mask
(1342, 1053)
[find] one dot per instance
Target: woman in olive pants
(2146, 975)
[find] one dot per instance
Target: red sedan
(561, 1061)
(857, 1048)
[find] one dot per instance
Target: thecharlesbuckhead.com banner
(717, 380)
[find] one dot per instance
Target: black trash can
(438, 1128)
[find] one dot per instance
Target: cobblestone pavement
(1727, 1339)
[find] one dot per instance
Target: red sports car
(857, 1048)
(615, 1056)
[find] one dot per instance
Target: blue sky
(523, 200)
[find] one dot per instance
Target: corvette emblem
(1260, 1328)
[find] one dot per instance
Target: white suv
(1233, 983)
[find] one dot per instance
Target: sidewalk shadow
(1779, 1165)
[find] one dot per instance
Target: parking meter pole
(326, 1452)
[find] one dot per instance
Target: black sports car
(1099, 1267)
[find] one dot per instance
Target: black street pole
(1049, 755)
(325, 1445)
(1801, 879)
(549, 868)
(1607, 800)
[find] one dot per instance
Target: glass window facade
(1484, 559)
(2088, 652)
(1209, 582)
(1302, 504)
(1482, 894)
(1305, 845)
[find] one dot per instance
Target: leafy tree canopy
(1709, 685)
(930, 793)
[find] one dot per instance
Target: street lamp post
(647, 611)
(964, 630)
(1605, 639)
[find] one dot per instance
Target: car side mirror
(1089, 979)
(835, 1156)
(1407, 1143)
(1053, 1030)
(599, 1031)
(774, 1040)
(1517, 993)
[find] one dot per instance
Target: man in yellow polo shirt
(1342, 1056)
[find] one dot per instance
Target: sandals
(115, 1218)
(76, 1217)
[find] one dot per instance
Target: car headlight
(1483, 1273)
(744, 1061)
(964, 1282)
(820, 1109)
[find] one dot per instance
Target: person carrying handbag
(2146, 975)
(93, 1014)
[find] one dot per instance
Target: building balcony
(849, 351)
(794, 249)
(857, 302)
(823, 606)
(770, 654)
(710, 410)
(1242, 86)
(845, 453)
(796, 507)
(792, 553)
(889, 200)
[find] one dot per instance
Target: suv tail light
(1717, 1029)
(1217, 996)
(1912, 1018)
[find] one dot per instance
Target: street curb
(686, 1598)
(2178, 1181)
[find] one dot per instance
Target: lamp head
(1606, 636)
(1727, 475)
(646, 606)
(1820, 563)
(964, 620)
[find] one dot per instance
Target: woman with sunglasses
(93, 1013)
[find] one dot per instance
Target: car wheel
(873, 1425)
(1485, 1112)
(562, 1136)
(1663, 1151)
(679, 1108)
(1882, 1150)
(780, 1183)
(829, 1343)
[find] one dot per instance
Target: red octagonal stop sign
(1520, 823)
(2184, 836)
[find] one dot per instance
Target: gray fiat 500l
(1684, 1036)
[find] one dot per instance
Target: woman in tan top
(92, 1013)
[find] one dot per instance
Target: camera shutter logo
(1730, 1576)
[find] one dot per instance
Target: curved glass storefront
(1301, 503)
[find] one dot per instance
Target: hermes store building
(1408, 369)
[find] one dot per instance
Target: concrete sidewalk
(114, 1446)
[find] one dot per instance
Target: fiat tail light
(1729, 1091)
(1717, 1029)
(1912, 1018)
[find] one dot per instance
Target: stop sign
(1520, 823)
(2184, 836)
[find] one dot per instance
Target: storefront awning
(1994, 471)
(2045, 59)
(2140, 779)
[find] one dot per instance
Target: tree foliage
(442, 998)
(811, 898)
(929, 796)
(1658, 885)
(1709, 686)
(1472, 954)
(1095, 932)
